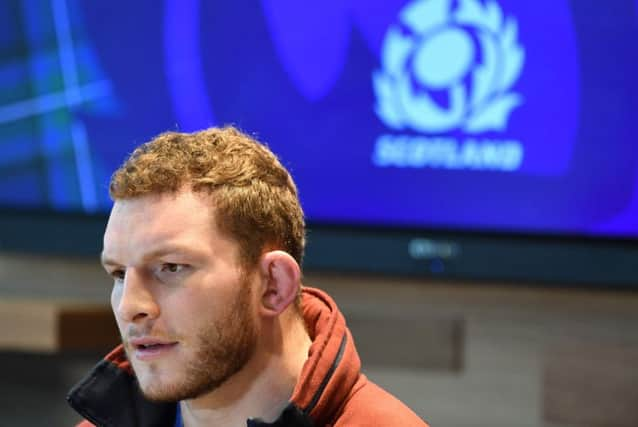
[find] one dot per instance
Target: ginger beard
(223, 347)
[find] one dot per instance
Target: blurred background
(468, 168)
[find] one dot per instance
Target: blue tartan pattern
(49, 75)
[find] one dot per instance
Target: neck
(263, 387)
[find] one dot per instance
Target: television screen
(505, 117)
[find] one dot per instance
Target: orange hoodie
(331, 390)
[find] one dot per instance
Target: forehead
(143, 224)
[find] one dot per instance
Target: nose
(134, 300)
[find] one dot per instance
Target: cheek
(116, 296)
(193, 309)
(188, 309)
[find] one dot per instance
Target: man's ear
(281, 280)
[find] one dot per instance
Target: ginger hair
(253, 196)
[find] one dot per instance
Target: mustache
(134, 332)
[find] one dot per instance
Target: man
(204, 245)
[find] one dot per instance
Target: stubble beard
(224, 348)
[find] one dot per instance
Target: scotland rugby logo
(448, 69)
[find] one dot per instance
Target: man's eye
(117, 275)
(172, 268)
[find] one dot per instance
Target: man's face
(184, 306)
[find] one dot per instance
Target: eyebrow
(105, 260)
(164, 250)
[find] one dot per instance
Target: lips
(151, 348)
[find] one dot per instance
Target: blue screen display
(500, 115)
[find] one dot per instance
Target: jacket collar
(109, 396)
(333, 365)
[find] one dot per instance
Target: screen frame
(519, 259)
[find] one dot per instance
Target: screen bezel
(520, 259)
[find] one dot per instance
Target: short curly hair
(254, 197)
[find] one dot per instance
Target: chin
(156, 386)
(162, 394)
(156, 389)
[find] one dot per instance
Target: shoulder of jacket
(370, 405)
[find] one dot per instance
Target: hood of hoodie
(333, 365)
